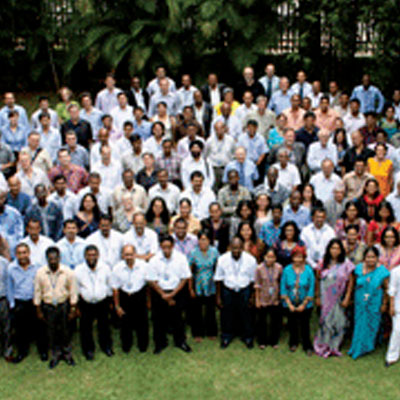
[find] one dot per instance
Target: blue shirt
(72, 254)
(80, 156)
(302, 217)
(274, 138)
(144, 129)
(280, 101)
(371, 99)
(23, 118)
(16, 140)
(11, 226)
(269, 233)
(255, 147)
(304, 287)
(22, 202)
(51, 141)
(3, 276)
(20, 283)
(247, 173)
(94, 119)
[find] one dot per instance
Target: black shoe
(388, 364)
(53, 363)
(108, 352)
(225, 343)
(44, 357)
(184, 347)
(18, 358)
(249, 343)
(89, 356)
(70, 361)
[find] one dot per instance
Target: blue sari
(367, 303)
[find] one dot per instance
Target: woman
(157, 216)
(389, 248)
(334, 285)
(65, 96)
(309, 198)
(123, 216)
(262, 211)
(381, 168)
(185, 212)
(153, 144)
(351, 217)
(266, 285)
(288, 240)
(370, 300)
(202, 260)
(247, 233)
(352, 244)
(297, 293)
(384, 217)
(244, 212)
(370, 199)
(88, 216)
(340, 141)
(168, 121)
(389, 124)
(147, 176)
(275, 137)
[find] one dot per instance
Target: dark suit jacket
(221, 235)
(132, 98)
(205, 90)
(207, 118)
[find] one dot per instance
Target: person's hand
(219, 302)
(383, 308)
(345, 303)
(300, 308)
(318, 302)
(258, 305)
(71, 314)
(39, 314)
(120, 312)
(291, 308)
(171, 302)
(192, 293)
(167, 296)
(392, 311)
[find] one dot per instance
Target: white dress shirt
(28, 184)
(111, 175)
(54, 122)
(145, 244)
(185, 97)
(200, 201)
(38, 250)
(189, 165)
(307, 89)
(95, 156)
(72, 254)
(68, 203)
(235, 274)
(243, 111)
(120, 116)
(315, 99)
(183, 146)
(154, 86)
(316, 154)
(170, 195)
(168, 272)
(353, 123)
(51, 141)
(215, 96)
(232, 123)
(106, 100)
(219, 152)
(129, 280)
(324, 186)
(289, 176)
(93, 284)
(152, 146)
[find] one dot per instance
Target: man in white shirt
(288, 173)
(316, 94)
(64, 198)
(185, 93)
(270, 81)
(154, 85)
(168, 274)
(246, 107)
(301, 87)
(50, 137)
(90, 114)
(166, 190)
(121, 113)
(44, 108)
(231, 121)
(106, 99)
(324, 182)
(108, 241)
(94, 279)
(129, 284)
(316, 237)
(200, 195)
(184, 143)
(321, 150)
(353, 120)
(164, 95)
(103, 139)
(234, 275)
(144, 239)
(109, 170)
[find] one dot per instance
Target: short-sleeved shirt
(267, 281)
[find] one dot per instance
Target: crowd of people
(264, 201)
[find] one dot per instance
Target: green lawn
(207, 373)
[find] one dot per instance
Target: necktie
(269, 89)
(301, 91)
(241, 173)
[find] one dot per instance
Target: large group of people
(259, 203)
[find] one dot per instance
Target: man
(50, 137)
(38, 244)
(316, 95)
(354, 181)
(325, 181)
(109, 169)
(316, 237)
(326, 116)
(212, 91)
(277, 192)
(106, 99)
(192, 134)
(343, 107)
(71, 246)
(196, 162)
(247, 170)
(15, 197)
(90, 114)
(5, 318)
(40, 157)
(265, 118)
(142, 238)
(396, 104)
(358, 150)
(44, 107)
(288, 173)
(141, 127)
(248, 83)
(132, 156)
(137, 97)
(334, 94)
(234, 276)
(394, 200)
(187, 120)
(232, 193)
(280, 100)
(64, 198)
(168, 273)
(354, 120)
(103, 196)
(79, 155)
(121, 113)
(296, 212)
(13, 132)
(30, 176)
(128, 185)
(301, 87)
(154, 86)
(271, 230)
(7, 159)
(185, 93)
(170, 161)
(231, 121)
(200, 195)
(203, 112)
(93, 279)
(11, 223)
(166, 190)
(76, 176)
(321, 150)
(308, 133)
(166, 96)
(129, 285)
(9, 106)
(294, 114)
(335, 206)
(104, 140)
(20, 292)
(369, 96)
(82, 128)
(184, 242)
(246, 107)
(371, 128)
(55, 298)
(270, 81)
(108, 241)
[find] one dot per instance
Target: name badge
(271, 291)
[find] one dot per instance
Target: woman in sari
(389, 249)
(333, 290)
(370, 300)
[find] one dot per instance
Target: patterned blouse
(267, 281)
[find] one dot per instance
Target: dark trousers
(27, 328)
(58, 329)
(91, 312)
(165, 316)
(135, 318)
(300, 322)
(269, 321)
(204, 322)
(235, 308)
(5, 328)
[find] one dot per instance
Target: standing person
(168, 274)
(370, 300)
(352, 244)
(393, 351)
(289, 238)
(5, 320)
(389, 248)
(202, 260)
(128, 281)
(107, 98)
(266, 284)
(93, 278)
(234, 275)
(55, 298)
(297, 292)
(333, 289)
(88, 216)
(381, 168)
